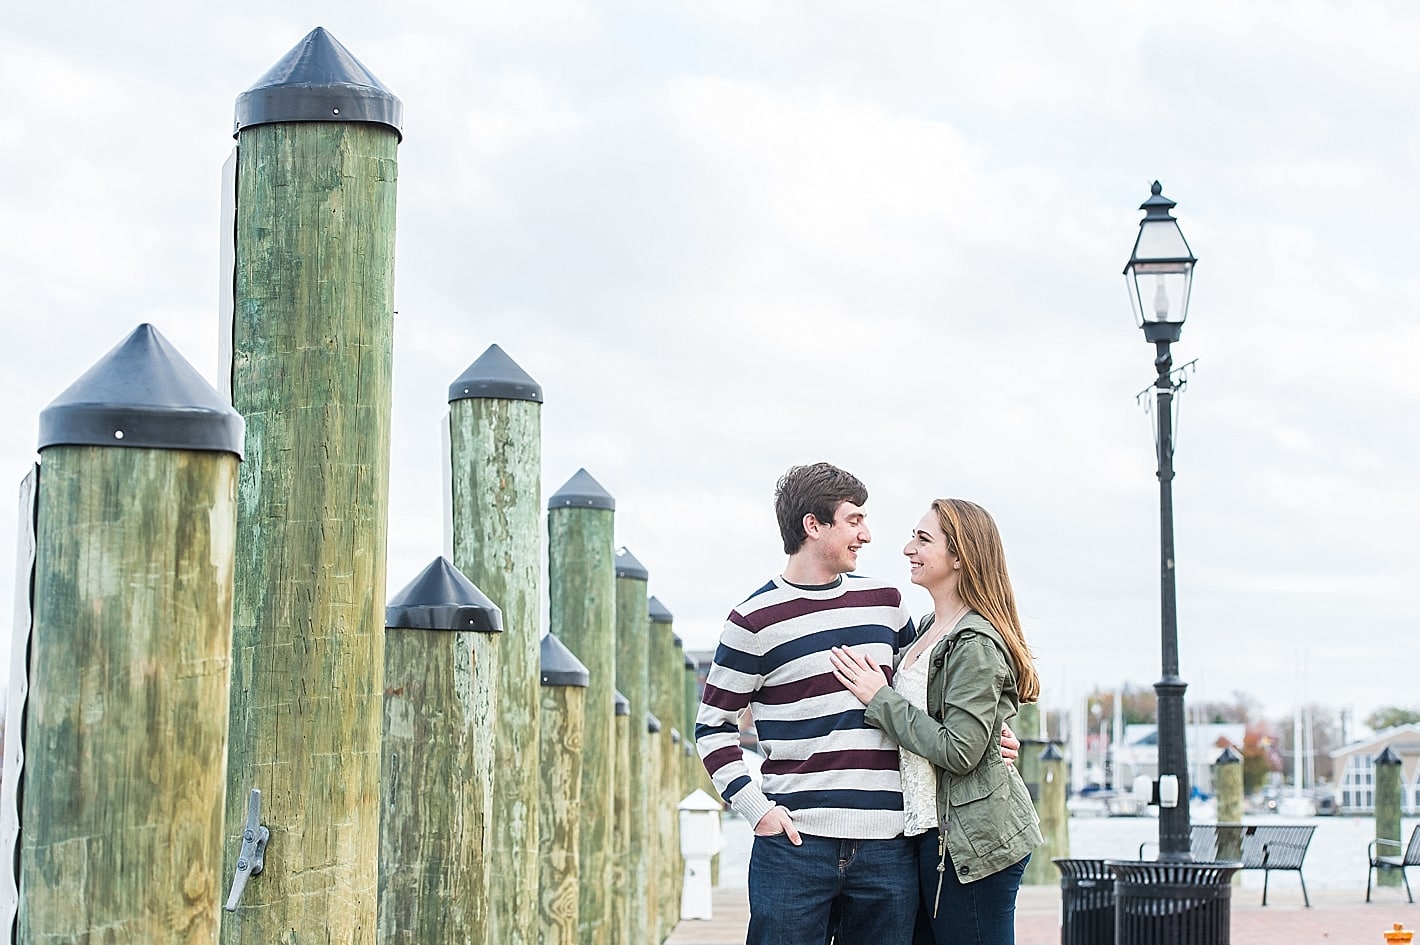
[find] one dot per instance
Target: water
(1336, 859)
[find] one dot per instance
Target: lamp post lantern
(1159, 275)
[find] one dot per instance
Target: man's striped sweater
(837, 775)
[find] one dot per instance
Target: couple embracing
(888, 812)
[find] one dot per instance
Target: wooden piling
(1054, 816)
(665, 665)
(563, 721)
(495, 438)
(1228, 790)
(582, 611)
(622, 894)
(126, 731)
(1389, 791)
(633, 680)
(436, 759)
(312, 348)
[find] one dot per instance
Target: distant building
(1138, 754)
(1356, 787)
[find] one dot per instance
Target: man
(828, 821)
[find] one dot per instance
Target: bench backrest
(1258, 846)
(1412, 852)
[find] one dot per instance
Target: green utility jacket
(983, 807)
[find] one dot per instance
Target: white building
(1356, 786)
(1138, 752)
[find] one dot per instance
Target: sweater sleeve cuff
(751, 804)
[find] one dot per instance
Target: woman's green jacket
(983, 807)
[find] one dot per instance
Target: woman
(964, 676)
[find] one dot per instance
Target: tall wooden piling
(312, 347)
(665, 696)
(495, 449)
(563, 721)
(1054, 816)
(582, 612)
(633, 680)
(126, 733)
(1389, 791)
(1228, 790)
(437, 759)
(621, 891)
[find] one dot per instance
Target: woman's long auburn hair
(984, 585)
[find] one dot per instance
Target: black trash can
(1173, 903)
(1086, 902)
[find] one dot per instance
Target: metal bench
(1411, 858)
(1265, 847)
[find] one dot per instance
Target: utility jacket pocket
(982, 781)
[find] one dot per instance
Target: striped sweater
(836, 774)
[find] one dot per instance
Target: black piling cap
(1388, 757)
(691, 665)
(658, 612)
(1229, 756)
(628, 567)
(318, 81)
(582, 492)
(441, 598)
(495, 376)
(560, 667)
(677, 642)
(653, 724)
(1052, 753)
(143, 394)
(622, 704)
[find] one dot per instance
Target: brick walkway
(1337, 917)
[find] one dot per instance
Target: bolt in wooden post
(633, 679)
(563, 721)
(312, 348)
(1388, 803)
(126, 733)
(621, 891)
(664, 698)
(582, 610)
(495, 442)
(436, 760)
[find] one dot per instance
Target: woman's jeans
(793, 889)
(978, 913)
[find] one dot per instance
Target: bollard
(621, 892)
(582, 608)
(1054, 816)
(126, 727)
(633, 679)
(562, 719)
(655, 882)
(700, 841)
(311, 365)
(436, 758)
(1388, 803)
(495, 469)
(667, 794)
(1228, 788)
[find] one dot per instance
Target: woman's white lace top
(919, 778)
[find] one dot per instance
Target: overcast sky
(730, 237)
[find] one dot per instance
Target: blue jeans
(870, 886)
(979, 913)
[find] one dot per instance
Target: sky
(731, 237)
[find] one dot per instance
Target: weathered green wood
(126, 736)
(1054, 815)
(312, 347)
(623, 894)
(496, 465)
(634, 682)
(582, 611)
(1389, 790)
(563, 723)
(1039, 870)
(1228, 791)
(656, 890)
(436, 764)
(665, 696)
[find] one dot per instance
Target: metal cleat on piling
(252, 858)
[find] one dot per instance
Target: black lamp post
(1159, 275)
